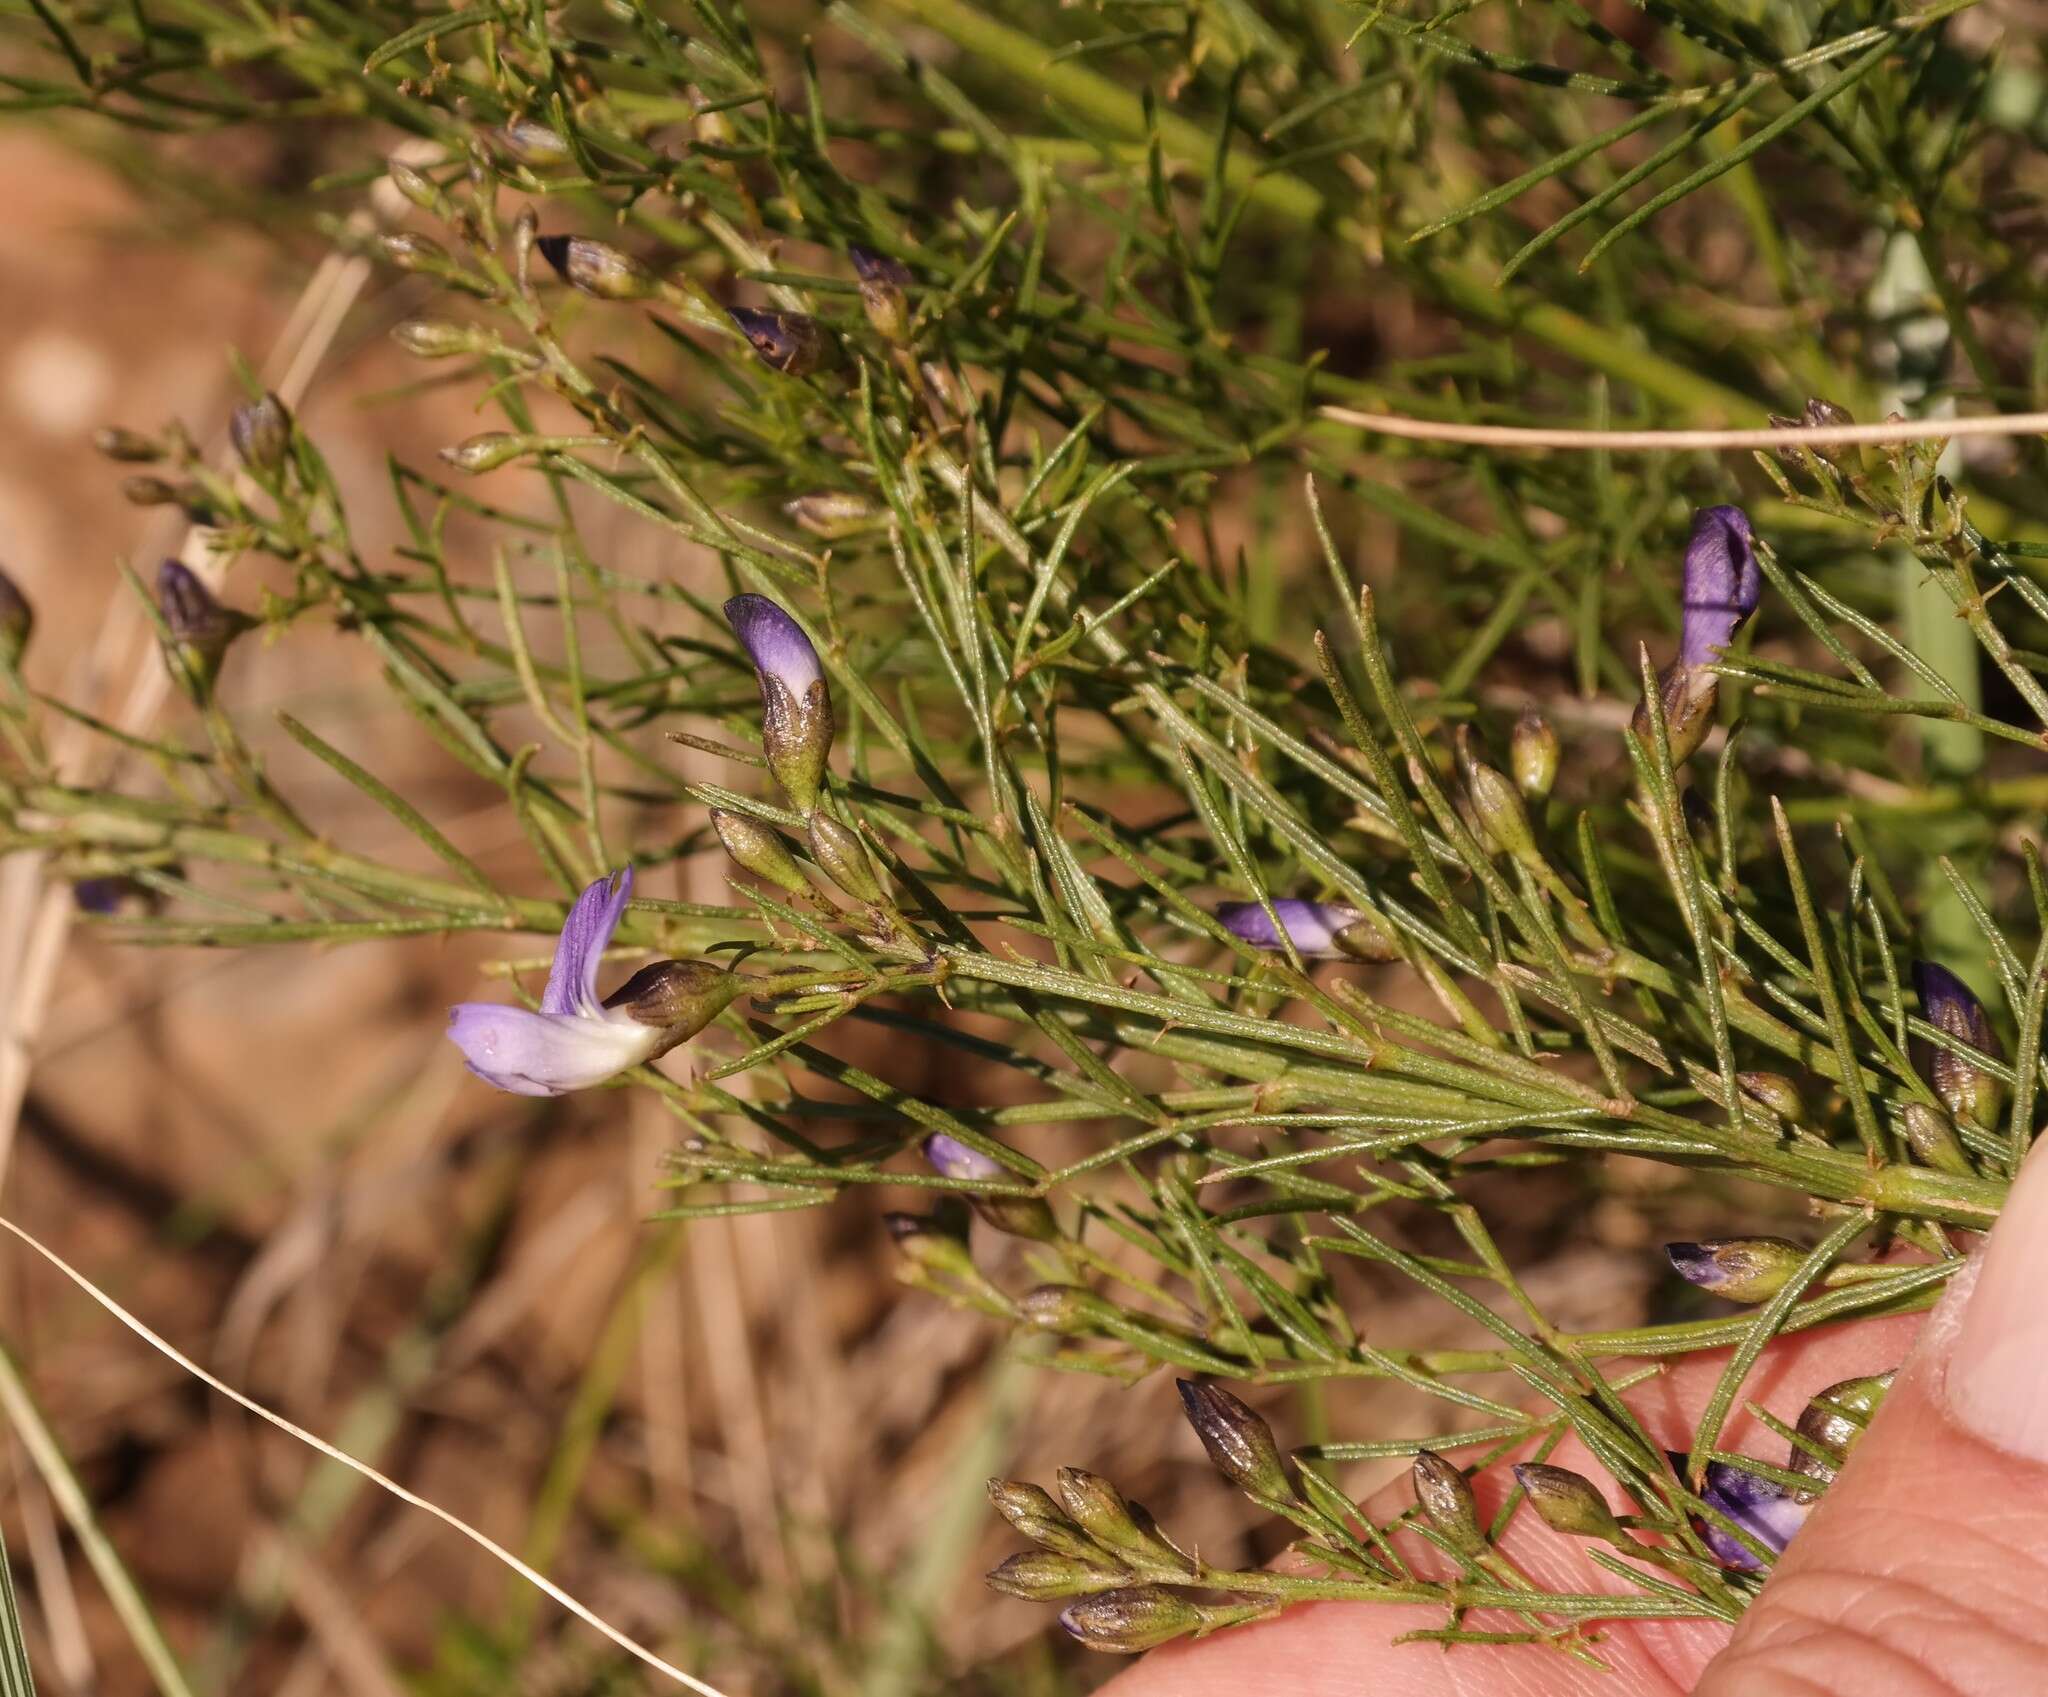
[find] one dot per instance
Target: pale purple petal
(586, 934)
(775, 643)
(1767, 1512)
(538, 1054)
(950, 1158)
(1723, 583)
(1951, 1004)
(1311, 926)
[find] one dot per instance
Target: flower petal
(538, 1054)
(775, 643)
(1722, 583)
(1311, 926)
(1767, 1512)
(586, 933)
(950, 1158)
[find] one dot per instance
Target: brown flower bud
(1931, 1135)
(530, 142)
(758, 848)
(843, 858)
(1039, 1576)
(1833, 1421)
(410, 251)
(832, 514)
(597, 268)
(1033, 1513)
(17, 622)
(488, 451)
(1776, 1092)
(676, 997)
(1133, 1619)
(261, 431)
(1240, 1444)
(1444, 1495)
(1742, 1269)
(436, 338)
(132, 446)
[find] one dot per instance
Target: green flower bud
(261, 431)
(1567, 1502)
(597, 268)
(1833, 1421)
(676, 997)
(17, 622)
(1495, 804)
(882, 280)
(930, 1242)
(831, 514)
(530, 142)
(1240, 1444)
(436, 338)
(1444, 1495)
(1931, 1135)
(843, 858)
(1776, 1092)
(1033, 1513)
(129, 445)
(1533, 751)
(410, 251)
(1066, 1309)
(1742, 1269)
(152, 492)
(1099, 1509)
(759, 849)
(1136, 1618)
(1039, 1576)
(1365, 938)
(488, 451)
(416, 186)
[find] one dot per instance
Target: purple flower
(575, 1040)
(1951, 1007)
(950, 1158)
(796, 707)
(1768, 1513)
(790, 342)
(1312, 927)
(1722, 583)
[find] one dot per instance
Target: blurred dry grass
(275, 1158)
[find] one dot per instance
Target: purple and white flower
(1020, 1216)
(1767, 1512)
(796, 706)
(576, 1040)
(1312, 927)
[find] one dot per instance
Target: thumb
(1923, 1569)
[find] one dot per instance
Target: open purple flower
(796, 707)
(1020, 1216)
(1312, 927)
(1723, 583)
(950, 1158)
(1768, 1513)
(1950, 1006)
(575, 1040)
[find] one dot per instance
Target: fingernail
(1998, 1373)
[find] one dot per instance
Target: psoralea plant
(1352, 835)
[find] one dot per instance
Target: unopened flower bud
(1033, 1513)
(436, 338)
(1133, 1619)
(1533, 751)
(146, 491)
(796, 706)
(408, 250)
(882, 281)
(1445, 1497)
(416, 186)
(261, 431)
(597, 268)
(1019, 1216)
(1565, 1501)
(843, 858)
(831, 514)
(1776, 1092)
(1064, 1308)
(1931, 1135)
(1365, 938)
(1240, 1444)
(1500, 811)
(1742, 1269)
(759, 849)
(17, 622)
(1099, 1509)
(1039, 1576)
(678, 998)
(793, 343)
(927, 1241)
(198, 626)
(530, 142)
(132, 446)
(1833, 1421)
(1949, 1005)
(487, 451)
(1688, 695)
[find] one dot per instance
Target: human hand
(1922, 1573)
